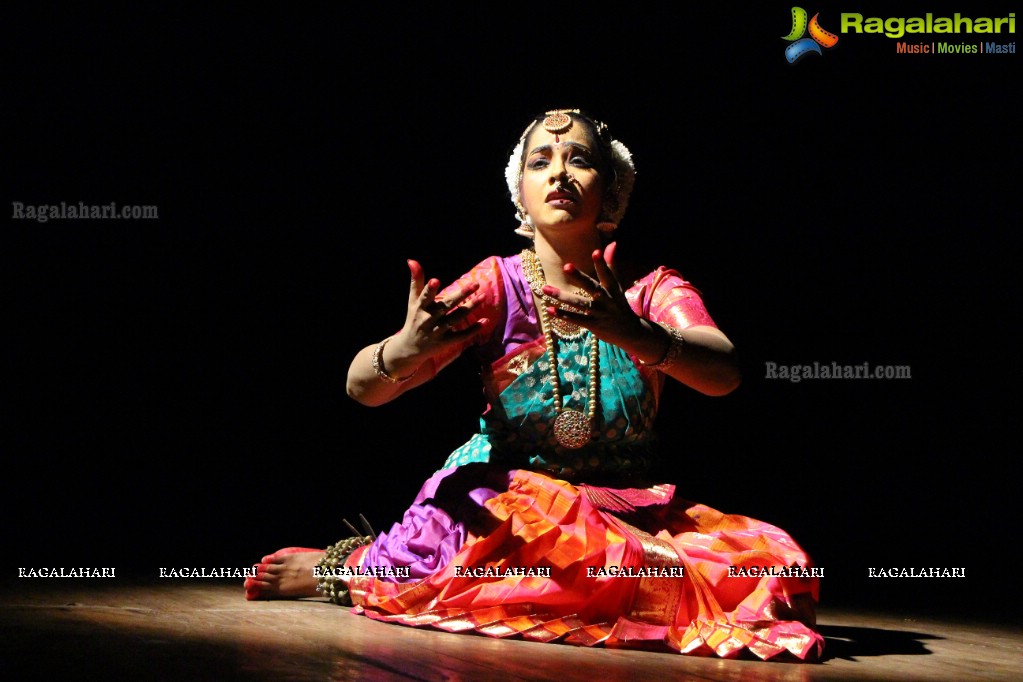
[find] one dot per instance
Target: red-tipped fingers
(588, 283)
(573, 272)
(603, 265)
(610, 251)
(416, 285)
(573, 299)
(463, 293)
(458, 305)
(427, 293)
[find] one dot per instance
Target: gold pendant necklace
(572, 428)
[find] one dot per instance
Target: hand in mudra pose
(600, 300)
(433, 323)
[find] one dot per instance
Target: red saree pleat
(544, 524)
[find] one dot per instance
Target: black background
(175, 388)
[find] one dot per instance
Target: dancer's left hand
(608, 313)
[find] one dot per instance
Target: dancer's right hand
(433, 323)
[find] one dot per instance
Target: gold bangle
(674, 351)
(378, 365)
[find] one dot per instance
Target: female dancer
(544, 525)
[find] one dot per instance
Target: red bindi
(556, 138)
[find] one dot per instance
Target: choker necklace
(533, 271)
(572, 428)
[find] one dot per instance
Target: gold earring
(525, 228)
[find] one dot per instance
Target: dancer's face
(560, 181)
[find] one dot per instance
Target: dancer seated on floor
(528, 528)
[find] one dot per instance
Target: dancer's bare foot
(285, 574)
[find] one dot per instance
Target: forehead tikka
(557, 121)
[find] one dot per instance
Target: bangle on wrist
(674, 352)
(378, 365)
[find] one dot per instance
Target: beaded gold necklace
(572, 428)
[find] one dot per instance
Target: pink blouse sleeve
(488, 302)
(663, 296)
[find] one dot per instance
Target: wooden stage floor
(88, 630)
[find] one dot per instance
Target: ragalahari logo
(801, 46)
